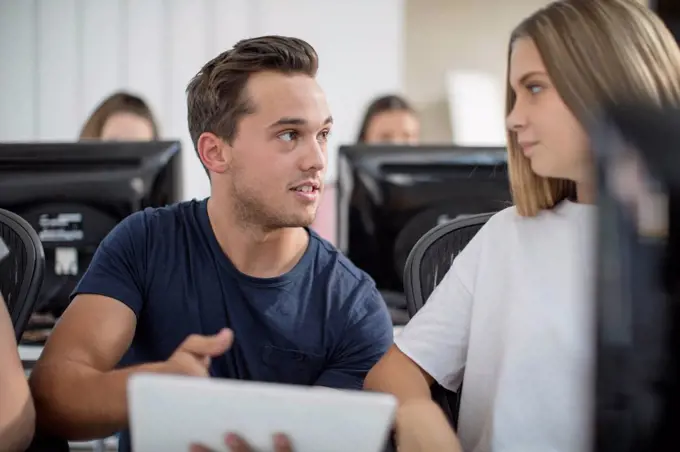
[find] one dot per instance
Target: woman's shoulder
(501, 220)
(511, 217)
(508, 223)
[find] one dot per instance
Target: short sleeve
(366, 338)
(437, 337)
(118, 267)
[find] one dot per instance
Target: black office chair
(425, 267)
(21, 272)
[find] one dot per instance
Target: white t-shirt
(514, 320)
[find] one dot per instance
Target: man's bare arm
(397, 374)
(17, 415)
(77, 393)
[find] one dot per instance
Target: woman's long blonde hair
(595, 52)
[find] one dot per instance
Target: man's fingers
(209, 345)
(282, 443)
(236, 443)
(198, 448)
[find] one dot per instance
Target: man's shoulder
(156, 221)
(331, 257)
(351, 290)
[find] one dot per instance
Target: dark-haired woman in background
(121, 117)
(390, 119)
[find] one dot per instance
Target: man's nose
(315, 157)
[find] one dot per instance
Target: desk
(29, 354)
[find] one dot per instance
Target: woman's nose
(516, 119)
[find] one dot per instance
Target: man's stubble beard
(251, 210)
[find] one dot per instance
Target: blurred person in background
(513, 320)
(121, 117)
(390, 120)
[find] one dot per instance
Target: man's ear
(214, 153)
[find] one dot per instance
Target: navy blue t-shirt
(323, 323)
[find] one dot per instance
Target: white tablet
(169, 413)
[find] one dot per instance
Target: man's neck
(253, 250)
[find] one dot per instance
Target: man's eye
(323, 136)
(288, 136)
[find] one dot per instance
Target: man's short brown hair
(216, 97)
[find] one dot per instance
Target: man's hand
(238, 444)
(193, 356)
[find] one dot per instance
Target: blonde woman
(513, 320)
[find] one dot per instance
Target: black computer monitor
(637, 298)
(389, 196)
(73, 194)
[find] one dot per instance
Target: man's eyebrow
(290, 121)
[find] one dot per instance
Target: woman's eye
(288, 136)
(534, 89)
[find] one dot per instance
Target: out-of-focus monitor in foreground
(389, 196)
(73, 194)
(637, 298)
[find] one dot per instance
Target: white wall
(59, 58)
(469, 36)
(457, 35)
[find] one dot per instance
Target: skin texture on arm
(423, 427)
(397, 374)
(77, 393)
(17, 414)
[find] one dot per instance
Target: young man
(174, 287)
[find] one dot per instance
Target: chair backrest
(433, 255)
(21, 272)
(422, 223)
(426, 266)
